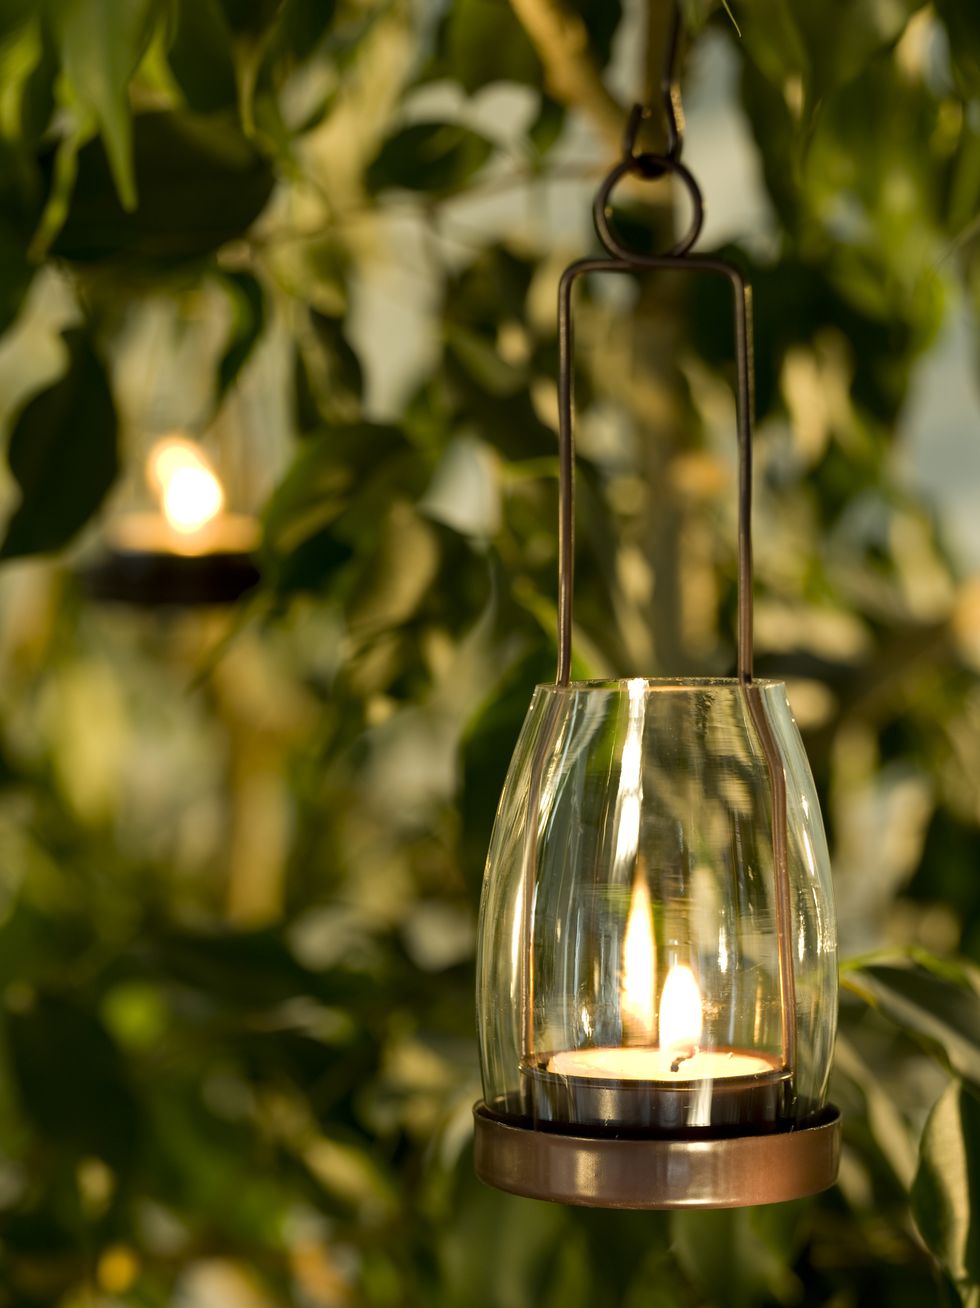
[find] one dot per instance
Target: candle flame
(637, 1000)
(681, 1015)
(190, 494)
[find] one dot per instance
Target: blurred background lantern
(196, 450)
(189, 547)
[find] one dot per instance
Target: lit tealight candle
(678, 1057)
(192, 550)
(672, 1085)
(192, 519)
(632, 1063)
(190, 494)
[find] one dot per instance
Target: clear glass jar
(630, 975)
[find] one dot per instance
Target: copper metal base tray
(729, 1172)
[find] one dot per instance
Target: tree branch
(571, 75)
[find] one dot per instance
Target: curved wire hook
(651, 166)
(670, 92)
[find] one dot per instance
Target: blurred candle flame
(190, 494)
(637, 1000)
(681, 1015)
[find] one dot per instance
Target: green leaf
(731, 14)
(547, 125)
(250, 18)
(844, 36)
(54, 1044)
(302, 25)
(481, 359)
(307, 537)
(955, 970)
(341, 377)
(432, 156)
(491, 289)
(306, 409)
(63, 455)
(602, 19)
(271, 102)
(946, 1191)
(327, 376)
(962, 22)
(238, 968)
(928, 1006)
(489, 743)
(101, 43)
(201, 183)
(822, 46)
(498, 1250)
(200, 56)
(28, 68)
(483, 42)
(61, 168)
(397, 577)
(772, 39)
(248, 321)
(727, 1254)
(16, 272)
(12, 14)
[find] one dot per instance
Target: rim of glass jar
(661, 684)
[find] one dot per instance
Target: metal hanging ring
(650, 167)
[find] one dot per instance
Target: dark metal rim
(731, 1172)
(158, 580)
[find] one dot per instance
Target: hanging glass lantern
(175, 541)
(657, 973)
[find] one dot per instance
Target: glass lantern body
(654, 958)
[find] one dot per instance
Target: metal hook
(673, 107)
(636, 116)
(671, 91)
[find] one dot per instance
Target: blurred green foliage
(242, 853)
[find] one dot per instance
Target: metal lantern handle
(621, 259)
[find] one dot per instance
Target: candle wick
(682, 1056)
